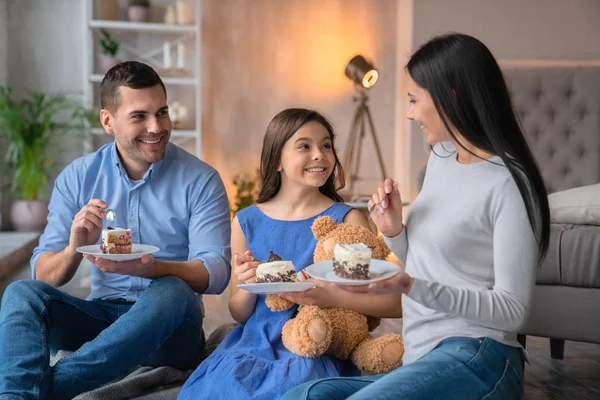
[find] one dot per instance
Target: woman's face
(422, 110)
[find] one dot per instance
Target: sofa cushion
(580, 256)
(576, 206)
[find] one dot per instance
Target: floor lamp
(364, 75)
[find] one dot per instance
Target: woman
(471, 242)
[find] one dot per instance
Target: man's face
(141, 126)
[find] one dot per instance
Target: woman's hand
(388, 215)
(399, 283)
(245, 267)
(323, 295)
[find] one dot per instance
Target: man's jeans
(109, 338)
(457, 369)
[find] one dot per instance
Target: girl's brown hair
(281, 128)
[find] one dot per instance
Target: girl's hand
(388, 215)
(324, 295)
(245, 267)
(399, 283)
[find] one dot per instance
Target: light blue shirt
(179, 206)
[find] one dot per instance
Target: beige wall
(4, 206)
(262, 56)
(3, 41)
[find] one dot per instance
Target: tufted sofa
(559, 108)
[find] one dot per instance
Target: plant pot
(106, 62)
(138, 13)
(29, 215)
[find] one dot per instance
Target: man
(143, 311)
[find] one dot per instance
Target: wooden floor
(575, 377)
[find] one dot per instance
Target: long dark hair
(470, 94)
(281, 128)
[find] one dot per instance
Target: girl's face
(423, 112)
(307, 157)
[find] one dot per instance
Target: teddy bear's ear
(322, 226)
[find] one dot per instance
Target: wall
(260, 57)
(513, 30)
(4, 204)
(45, 52)
(263, 56)
(3, 41)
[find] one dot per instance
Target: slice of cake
(276, 270)
(352, 261)
(116, 241)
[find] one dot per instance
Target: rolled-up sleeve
(61, 211)
(210, 233)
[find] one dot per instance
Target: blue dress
(252, 362)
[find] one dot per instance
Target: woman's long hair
(280, 130)
(470, 94)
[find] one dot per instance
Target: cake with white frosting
(352, 261)
(276, 270)
(116, 241)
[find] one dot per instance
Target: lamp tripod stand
(351, 158)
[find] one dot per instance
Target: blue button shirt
(179, 206)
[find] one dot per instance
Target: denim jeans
(108, 337)
(457, 369)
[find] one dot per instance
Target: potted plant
(31, 130)
(110, 48)
(246, 191)
(138, 10)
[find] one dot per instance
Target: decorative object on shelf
(138, 10)
(178, 114)
(170, 15)
(32, 131)
(183, 12)
(110, 48)
(364, 76)
(168, 69)
(180, 56)
(167, 63)
(107, 10)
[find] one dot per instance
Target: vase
(106, 62)
(138, 13)
(107, 9)
(29, 215)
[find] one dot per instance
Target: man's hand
(245, 267)
(142, 267)
(399, 283)
(87, 224)
(323, 295)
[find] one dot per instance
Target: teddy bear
(340, 332)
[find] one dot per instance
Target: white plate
(137, 251)
(277, 287)
(379, 270)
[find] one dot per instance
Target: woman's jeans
(108, 337)
(457, 369)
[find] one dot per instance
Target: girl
(299, 171)
(471, 242)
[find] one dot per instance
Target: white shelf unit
(174, 33)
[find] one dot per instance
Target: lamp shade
(361, 72)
